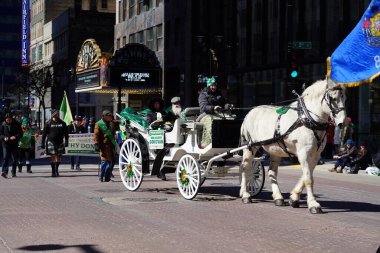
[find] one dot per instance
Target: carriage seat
(175, 136)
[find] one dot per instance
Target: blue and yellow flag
(357, 59)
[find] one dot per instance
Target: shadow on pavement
(87, 248)
(349, 206)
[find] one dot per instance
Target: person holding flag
(105, 144)
(57, 136)
(357, 59)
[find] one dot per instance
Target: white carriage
(146, 152)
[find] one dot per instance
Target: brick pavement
(76, 213)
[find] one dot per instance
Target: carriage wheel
(130, 164)
(203, 173)
(188, 176)
(256, 182)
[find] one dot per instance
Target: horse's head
(333, 102)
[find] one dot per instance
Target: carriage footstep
(294, 203)
(246, 201)
(279, 202)
(315, 210)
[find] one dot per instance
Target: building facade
(140, 21)
(65, 25)
(10, 46)
(250, 46)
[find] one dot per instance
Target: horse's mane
(316, 89)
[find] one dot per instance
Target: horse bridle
(329, 101)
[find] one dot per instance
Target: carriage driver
(211, 103)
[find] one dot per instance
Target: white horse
(301, 132)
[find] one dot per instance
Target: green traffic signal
(294, 74)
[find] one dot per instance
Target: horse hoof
(246, 201)
(279, 202)
(315, 210)
(294, 204)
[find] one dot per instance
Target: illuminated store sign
(25, 33)
(145, 78)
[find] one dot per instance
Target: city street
(77, 213)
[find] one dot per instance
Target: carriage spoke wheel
(256, 182)
(188, 176)
(130, 164)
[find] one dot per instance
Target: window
(124, 10)
(39, 53)
(132, 38)
(140, 7)
(93, 5)
(159, 38)
(140, 37)
(132, 5)
(33, 55)
(149, 38)
(104, 4)
(124, 40)
(117, 44)
(150, 4)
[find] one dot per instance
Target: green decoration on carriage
(130, 114)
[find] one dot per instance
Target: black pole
(119, 98)
(289, 48)
(76, 94)
(290, 31)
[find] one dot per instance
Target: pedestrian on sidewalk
(57, 136)
(345, 157)
(25, 146)
(105, 144)
(76, 127)
(362, 160)
(10, 133)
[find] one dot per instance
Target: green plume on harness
(282, 110)
(210, 81)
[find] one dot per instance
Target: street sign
(302, 44)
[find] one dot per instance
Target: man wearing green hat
(211, 103)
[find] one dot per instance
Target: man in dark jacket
(76, 127)
(57, 136)
(211, 102)
(10, 133)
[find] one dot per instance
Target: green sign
(156, 139)
(302, 45)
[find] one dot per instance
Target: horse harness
(304, 119)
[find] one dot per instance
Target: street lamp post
(74, 76)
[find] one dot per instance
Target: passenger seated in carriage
(157, 115)
(174, 111)
(211, 103)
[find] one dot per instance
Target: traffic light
(293, 66)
